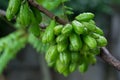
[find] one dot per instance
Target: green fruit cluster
(26, 16)
(74, 45)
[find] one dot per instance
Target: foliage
(9, 46)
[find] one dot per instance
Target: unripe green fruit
(62, 46)
(13, 8)
(99, 31)
(101, 41)
(78, 27)
(24, 18)
(65, 57)
(66, 72)
(60, 66)
(67, 29)
(89, 26)
(85, 16)
(72, 67)
(51, 55)
(95, 51)
(83, 67)
(85, 48)
(95, 35)
(92, 59)
(75, 57)
(75, 42)
(91, 42)
(58, 29)
(48, 35)
(92, 22)
(61, 38)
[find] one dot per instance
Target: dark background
(30, 65)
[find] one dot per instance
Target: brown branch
(107, 57)
(46, 12)
(104, 54)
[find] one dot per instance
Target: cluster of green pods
(26, 16)
(73, 45)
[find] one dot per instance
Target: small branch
(46, 12)
(107, 57)
(104, 54)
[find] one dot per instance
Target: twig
(107, 57)
(46, 12)
(104, 54)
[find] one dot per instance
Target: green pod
(75, 57)
(92, 22)
(95, 35)
(83, 67)
(86, 31)
(72, 67)
(66, 72)
(67, 29)
(95, 51)
(35, 30)
(85, 48)
(37, 14)
(71, 47)
(101, 41)
(92, 59)
(75, 42)
(65, 57)
(44, 38)
(91, 42)
(61, 38)
(48, 35)
(62, 46)
(58, 29)
(60, 66)
(99, 31)
(89, 26)
(78, 27)
(51, 55)
(85, 16)
(13, 8)
(24, 18)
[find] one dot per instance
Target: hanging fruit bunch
(74, 45)
(68, 47)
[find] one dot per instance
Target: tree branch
(107, 57)
(46, 12)
(104, 54)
